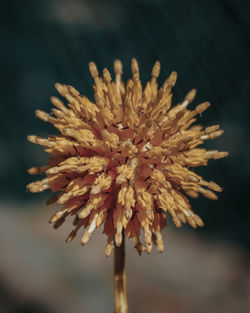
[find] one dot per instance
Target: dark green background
(206, 42)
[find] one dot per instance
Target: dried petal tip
(156, 69)
(42, 115)
(202, 107)
(93, 69)
(37, 170)
(118, 239)
(135, 70)
(160, 245)
(57, 216)
(84, 213)
(191, 95)
(198, 221)
(118, 67)
(61, 89)
(85, 238)
(95, 190)
(172, 79)
(134, 66)
(214, 154)
(208, 194)
(125, 159)
(106, 76)
(108, 250)
(211, 129)
(32, 138)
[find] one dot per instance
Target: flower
(124, 159)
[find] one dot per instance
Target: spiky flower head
(124, 159)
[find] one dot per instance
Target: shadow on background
(206, 42)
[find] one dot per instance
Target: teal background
(43, 42)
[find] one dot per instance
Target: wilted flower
(124, 159)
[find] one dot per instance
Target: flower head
(124, 159)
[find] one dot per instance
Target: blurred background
(48, 41)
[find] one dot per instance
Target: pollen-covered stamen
(77, 187)
(128, 149)
(93, 203)
(102, 183)
(38, 170)
(101, 217)
(153, 83)
(130, 118)
(170, 82)
(189, 97)
(59, 105)
(41, 141)
(212, 135)
(165, 97)
(208, 193)
(39, 185)
(118, 74)
(58, 215)
(98, 82)
(88, 233)
(127, 171)
(157, 239)
(138, 246)
(126, 199)
(109, 246)
(148, 238)
(111, 140)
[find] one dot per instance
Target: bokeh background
(45, 41)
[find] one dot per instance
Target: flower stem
(120, 290)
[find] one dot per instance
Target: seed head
(125, 159)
